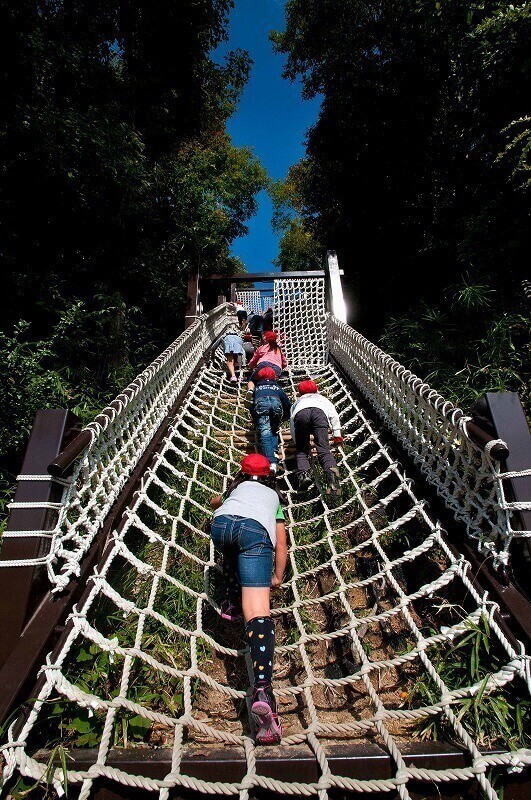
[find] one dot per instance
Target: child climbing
(252, 335)
(256, 325)
(268, 354)
(248, 527)
(314, 414)
(269, 407)
(241, 313)
(233, 346)
(268, 319)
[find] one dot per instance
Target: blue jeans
(246, 545)
(267, 414)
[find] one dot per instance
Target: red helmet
(270, 337)
(308, 387)
(266, 374)
(256, 464)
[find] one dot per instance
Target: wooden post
(192, 299)
(336, 301)
(21, 588)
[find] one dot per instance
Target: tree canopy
(417, 168)
(118, 177)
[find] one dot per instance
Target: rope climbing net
(433, 432)
(251, 300)
(120, 436)
(381, 633)
(299, 313)
(254, 301)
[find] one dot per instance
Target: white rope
(35, 504)
(368, 570)
(61, 481)
(250, 299)
(120, 436)
(433, 433)
(300, 318)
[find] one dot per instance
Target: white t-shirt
(316, 401)
(253, 500)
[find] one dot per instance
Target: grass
(500, 717)
(92, 669)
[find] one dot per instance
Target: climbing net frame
(434, 434)
(299, 315)
(251, 299)
(164, 530)
(120, 436)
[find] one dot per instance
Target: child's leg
(255, 601)
(255, 567)
(252, 379)
(302, 440)
(255, 564)
(321, 439)
(221, 532)
(231, 581)
(275, 418)
(268, 439)
(230, 364)
(248, 349)
(260, 630)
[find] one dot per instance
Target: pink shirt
(264, 353)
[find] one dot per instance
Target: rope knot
(401, 777)
(480, 766)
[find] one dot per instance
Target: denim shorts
(247, 543)
(233, 344)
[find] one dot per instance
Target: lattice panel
(299, 315)
(251, 300)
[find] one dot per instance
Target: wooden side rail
(66, 458)
(22, 587)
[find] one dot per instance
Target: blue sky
(271, 118)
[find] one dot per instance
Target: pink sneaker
(267, 727)
(230, 611)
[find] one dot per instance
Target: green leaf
(84, 654)
(138, 727)
(80, 724)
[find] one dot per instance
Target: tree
(415, 169)
(118, 177)
(298, 248)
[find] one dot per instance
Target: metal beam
(511, 426)
(192, 299)
(257, 277)
(335, 290)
